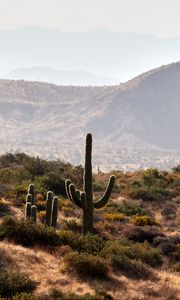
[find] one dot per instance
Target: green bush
(12, 283)
(131, 268)
(146, 193)
(131, 209)
(87, 264)
(27, 233)
(91, 244)
(142, 252)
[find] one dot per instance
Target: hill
(136, 122)
(80, 78)
(101, 52)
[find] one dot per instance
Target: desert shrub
(168, 246)
(175, 267)
(53, 181)
(4, 206)
(169, 211)
(68, 238)
(91, 244)
(7, 175)
(71, 224)
(27, 233)
(142, 252)
(41, 216)
(146, 193)
(131, 268)
(87, 264)
(67, 211)
(131, 209)
(144, 220)
(12, 283)
(142, 233)
(114, 216)
(41, 205)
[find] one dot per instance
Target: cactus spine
(54, 212)
(49, 199)
(85, 199)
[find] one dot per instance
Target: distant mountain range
(134, 125)
(102, 53)
(50, 75)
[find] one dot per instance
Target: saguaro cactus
(85, 199)
(54, 212)
(49, 199)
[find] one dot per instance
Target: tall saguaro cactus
(85, 199)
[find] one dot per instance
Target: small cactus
(85, 199)
(49, 199)
(34, 213)
(54, 212)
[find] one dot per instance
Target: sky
(157, 17)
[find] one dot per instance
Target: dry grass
(49, 270)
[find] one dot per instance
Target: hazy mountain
(103, 53)
(135, 124)
(50, 75)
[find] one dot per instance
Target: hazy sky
(159, 17)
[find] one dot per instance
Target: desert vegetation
(130, 251)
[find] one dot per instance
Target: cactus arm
(83, 200)
(105, 198)
(54, 212)
(27, 210)
(73, 193)
(67, 184)
(88, 170)
(29, 198)
(32, 192)
(34, 213)
(49, 199)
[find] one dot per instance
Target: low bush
(149, 193)
(41, 216)
(87, 264)
(12, 283)
(131, 268)
(71, 224)
(114, 216)
(91, 244)
(4, 207)
(175, 267)
(131, 209)
(28, 234)
(144, 220)
(142, 233)
(67, 211)
(142, 252)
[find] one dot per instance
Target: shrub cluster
(12, 283)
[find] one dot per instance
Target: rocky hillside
(135, 124)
